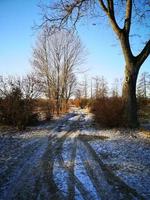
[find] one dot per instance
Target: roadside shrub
(143, 109)
(48, 114)
(45, 109)
(83, 103)
(141, 101)
(15, 110)
(76, 102)
(109, 112)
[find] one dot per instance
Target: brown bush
(44, 108)
(83, 103)
(76, 102)
(143, 110)
(109, 112)
(16, 111)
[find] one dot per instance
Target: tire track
(85, 194)
(53, 150)
(107, 180)
(71, 181)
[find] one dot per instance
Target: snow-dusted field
(70, 159)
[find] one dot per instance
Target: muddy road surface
(58, 162)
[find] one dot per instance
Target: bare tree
(91, 89)
(70, 87)
(143, 86)
(121, 14)
(55, 58)
(115, 88)
(4, 84)
(101, 87)
(84, 86)
(29, 86)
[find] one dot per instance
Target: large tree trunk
(129, 95)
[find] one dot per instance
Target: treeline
(98, 87)
(24, 100)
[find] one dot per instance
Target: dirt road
(58, 162)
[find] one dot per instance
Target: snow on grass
(128, 156)
(126, 152)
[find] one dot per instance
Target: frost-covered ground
(127, 155)
(70, 159)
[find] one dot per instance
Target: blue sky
(17, 38)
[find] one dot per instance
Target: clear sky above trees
(17, 38)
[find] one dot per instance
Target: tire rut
(53, 151)
(113, 184)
